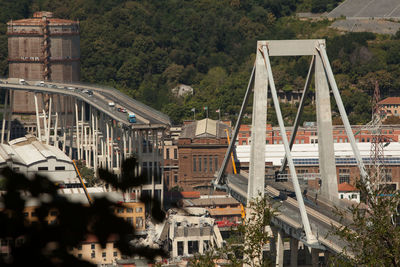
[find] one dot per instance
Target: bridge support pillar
(327, 255)
(315, 257)
(325, 134)
(294, 251)
(279, 248)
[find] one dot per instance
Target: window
(103, 254)
(115, 254)
(139, 222)
(387, 175)
(120, 210)
(80, 247)
(167, 153)
(194, 164)
(206, 245)
(175, 153)
(92, 246)
(16, 169)
(26, 214)
(53, 213)
(129, 210)
(180, 248)
(216, 162)
(167, 179)
(130, 220)
(60, 168)
(200, 164)
(43, 168)
(193, 247)
(210, 164)
(341, 196)
(93, 255)
(205, 164)
(80, 256)
(344, 176)
(176, 178)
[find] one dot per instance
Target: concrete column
(257, 148)
(44, 118)
(153, 170)
(71, 132)
(10, 115)
(130, 143)
(3, 129)
(185, 247)
(123, 154)
(89, 147)
(108, 157)
(279, 249)
(112, 147)
(327, 256)
(201, 246)
(77, 130)
(327, 164)
(49, 122)
(64, 121)
(315, 257)
(294, 251)
(85, 147)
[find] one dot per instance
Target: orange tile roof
(390, 101)
(91, 238)
(345, 187)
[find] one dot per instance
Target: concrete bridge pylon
(261, 80)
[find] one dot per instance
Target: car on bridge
(131, 117)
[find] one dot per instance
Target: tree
(43, 244)
(87, 173)
(373, 236)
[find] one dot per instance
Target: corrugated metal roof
(205, 128)
(38, 21)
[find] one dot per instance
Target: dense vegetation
(145, 48)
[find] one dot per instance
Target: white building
(186, 235)
(28, 156)
(348, 192)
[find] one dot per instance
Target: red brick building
(309, 135)
(201, 150)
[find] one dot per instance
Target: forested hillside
(145, 48)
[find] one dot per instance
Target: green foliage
(145, 48)
(373, 235)
(87, 173)
(44, 244)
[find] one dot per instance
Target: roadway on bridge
(100, 98)
(320, 216)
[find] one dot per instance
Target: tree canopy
(145, 48)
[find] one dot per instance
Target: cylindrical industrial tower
(44, 48)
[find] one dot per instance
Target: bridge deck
(289, 219)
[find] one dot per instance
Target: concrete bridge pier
(294, 251)
(315, 257)
(279, 247)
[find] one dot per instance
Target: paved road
(147, 117)
(289, 215)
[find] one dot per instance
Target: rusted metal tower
(376, 166)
